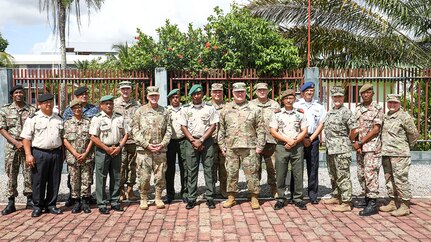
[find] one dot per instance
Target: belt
(47, 150)
(117, 144)
(280, 143)
(179, 139)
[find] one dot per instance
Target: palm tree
(355, 33)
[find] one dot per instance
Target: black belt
(118, 144)
(179, 139)
(47, 150)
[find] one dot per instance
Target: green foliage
(6, 59)
(3, 43)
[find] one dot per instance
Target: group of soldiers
(130, 142)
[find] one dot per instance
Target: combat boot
(130, 194)
(370, 209)
(122, 194)
(10, 208)
(332, 200)
(274, 191)
(158, 200)
(254, 201)
(343, 207)
(85, 205)
(403, 210)
(144, 202)
(230, 202)
(30, 203)
(77, 207)
(391, 206)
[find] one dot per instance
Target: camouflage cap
(337, 91)
(153, 90)
(125, 84)
(106, 98)
(288, 92)
(366, 87)
(175, 91)
(195, 88)
(216, 87)
(393, 98)
(262, 85)
(75, 102)
(238, 86)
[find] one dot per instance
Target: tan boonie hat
(75, 102)
(288, 92)
(366, 87)
(216, 87)
(238, 86)
(125, 84)
(393, 98)
(153, 90)
(262, 85)
(337, 91)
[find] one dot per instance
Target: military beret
(307, 85)
(45, 97)
(106, 98)
(195, 88)
(337, 91)
(14, 88)
(175, 91)
(80, 90)
(288, 92)
(238, 86)
(393, 98)
(366, 87)
(261, 85)
(153, 90)
(75, 102)
(125, 84)
(216, 87)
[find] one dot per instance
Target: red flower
(180, 56)
(200, 61)
(215, 47)
(208, 45)
(170, 49)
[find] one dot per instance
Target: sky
(28, 30)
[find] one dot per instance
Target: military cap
(75, 102)
(175, 91)
(216, 87)
(288, 92)
(106, 98)
(307, 85)
(125, 84)
(45, 97)
(393, 98)
(366, 87)
(261, 85)
(238, 86)
(153, 90)
(337, 91)
(195, 88)
(80, 90)
(14, 88)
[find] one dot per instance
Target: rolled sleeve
(28, 130)
(94, 127)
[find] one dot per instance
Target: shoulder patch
(300, 110)
(187, 105)
(209, 103)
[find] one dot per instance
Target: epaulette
(277, 110)
(7, 104)
(300, 110)
(98, 114)
(118, 114)
(32, 115)
(187, 105)
(377, 106)
(209, 104)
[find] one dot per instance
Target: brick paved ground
(239, 223)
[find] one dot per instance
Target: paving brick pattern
(239, 223)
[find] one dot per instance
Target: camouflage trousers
(79, 179)
(246, 157)
(339, 173)
(128, 165)
(268, 156)
(396, 170)
(148, 163)
(13, 160)
(219, 168)
(368, 172)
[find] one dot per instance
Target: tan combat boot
(122, 195)
(254, 201)
(274, 191)
(343, 207)
(391, 206)
(130, 194)
(332, 200)
(159, 202)
(403, 210)
(230, 202)
(144, 202)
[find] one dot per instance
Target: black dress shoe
(117, 208)
(211, 204)
(279, 205)
(54, 210)
(36, 212)
(191, 204)
(8, 209)
(167, 200)
(314, 201)
(77, 208)
(301, 205)
(185, 200)
(104, 210)
(92, 200)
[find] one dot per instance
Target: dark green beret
(106, 98)
(195, 88)
(173, 92)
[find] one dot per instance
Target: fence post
(161, 80)
(5, 83)
(311, 74)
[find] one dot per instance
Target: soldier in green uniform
(241, 137)
(12, 118)
(198, 122)
(127, 106)
(152, 131)
(399, 135)
(79, 156)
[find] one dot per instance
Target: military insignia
(277, 110)
(300, 110)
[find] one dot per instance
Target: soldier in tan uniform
(267, 106)
(109, 133)
(127, 106)
(399, 135)
(43, 139)
(152, 131)
(12, 118)
(241, 137)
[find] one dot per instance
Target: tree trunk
(62, 32)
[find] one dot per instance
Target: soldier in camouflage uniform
(399, 135)
(12, 118)
(241, 137)
(340, 131)
(79, 156)
(369, 117)
(152, 130)
(127, 106)
(219, 168)
(267, 106)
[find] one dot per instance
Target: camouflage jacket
(175, 113)
(366, 118)
(77, 133)
(338, 124)
(12, 118)
(241, 126)
(127, 110)
(267, 110)
(218, 108)
(399, 134)
(152, 126)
